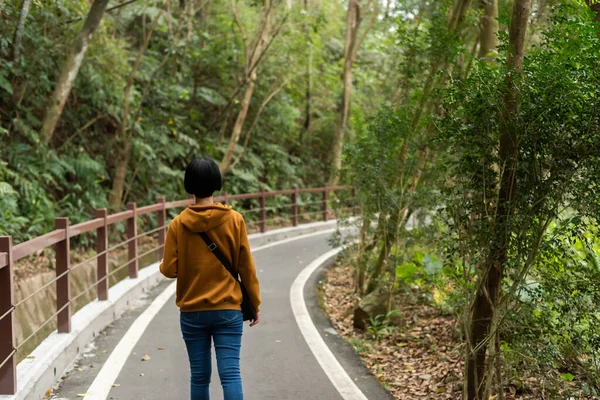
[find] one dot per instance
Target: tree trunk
(239, 124)
(204, 11)
(341, 126)
(486, 299)
(254, 122)
(308, 119)
(384, 253)
(454, 24)
(251, 69)
(123, 150)
(20, 29)
(488, 29)
(122, 156)
(70, 70)
(352, 25)
(191, 12)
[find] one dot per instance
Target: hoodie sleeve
(168, 266)
(246, 268)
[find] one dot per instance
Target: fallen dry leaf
(421, 358)
(146, 357)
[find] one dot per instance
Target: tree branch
(134, 68)
(255, 121)
(107, 10)
(248, 74)
(358, 44)
(83, 128)
(20, 29)
(364, 9)
(264, 26)
(237, 20)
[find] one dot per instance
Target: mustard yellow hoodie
(203, 283)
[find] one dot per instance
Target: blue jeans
(225, 328)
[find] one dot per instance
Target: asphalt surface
(276, 362)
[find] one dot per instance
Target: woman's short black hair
(202, 177)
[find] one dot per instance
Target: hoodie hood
(205, 218)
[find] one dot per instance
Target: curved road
(276, 361)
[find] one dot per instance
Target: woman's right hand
(256, 320)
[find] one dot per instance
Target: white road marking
(102, 384)
(335, 372)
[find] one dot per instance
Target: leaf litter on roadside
(423, 359)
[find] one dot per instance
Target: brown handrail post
(63, 284)
(133, 243)
(161, 218)
(225, 197)
(325, 197)
(102, 263)
(295, 206)
(263, 212)
(354, 202)
(8, 375)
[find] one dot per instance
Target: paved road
(276, 361)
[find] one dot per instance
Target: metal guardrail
(60, 239)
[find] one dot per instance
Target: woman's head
(202, 177)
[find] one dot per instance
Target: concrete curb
(343, 351)
(56, 354)
(261, 239)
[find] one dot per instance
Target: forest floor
(423, 358)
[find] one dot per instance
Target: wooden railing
(60, 239)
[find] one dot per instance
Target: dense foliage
(184, 100)
(430, 173)
(470, 134)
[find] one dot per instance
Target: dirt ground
(420, 359)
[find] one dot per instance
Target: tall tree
(20, 28)
(352, 44)
(485, 304)
(488, 28)
(253, 58)
(125, 138)
(309, 78)
(70, 70)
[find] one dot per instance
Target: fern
(7, 190)
(85, 167)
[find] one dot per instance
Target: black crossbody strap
(215, 250)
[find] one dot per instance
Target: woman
(208, 296)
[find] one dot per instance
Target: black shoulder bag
(248, 311)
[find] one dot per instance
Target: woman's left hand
(256, 320)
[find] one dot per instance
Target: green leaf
(567, 377)
(7, 190)
(5, 84)
(211, 96)
(432, 265)
(406, 271)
